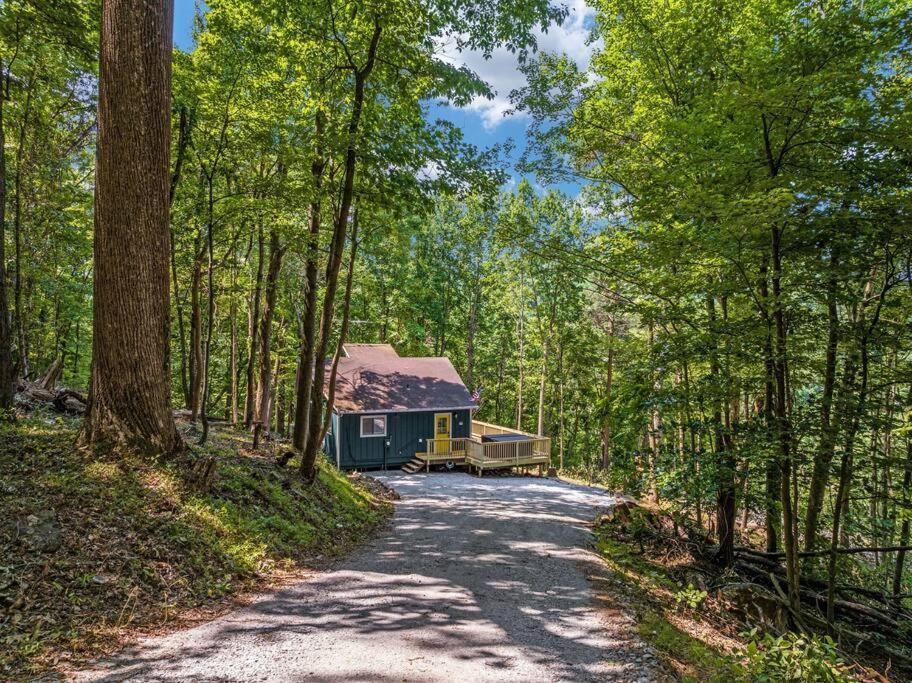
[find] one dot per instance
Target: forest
(694, 274)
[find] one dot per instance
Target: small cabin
(389, 408)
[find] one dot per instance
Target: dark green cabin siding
(403, 432)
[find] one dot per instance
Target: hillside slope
(97, 549)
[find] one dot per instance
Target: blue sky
(483, 122)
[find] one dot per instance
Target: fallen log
(851, 611)
(52, 376)
(31, 395)
(824, 553)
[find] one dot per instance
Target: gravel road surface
(477, 580)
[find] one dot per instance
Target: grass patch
(98, 547)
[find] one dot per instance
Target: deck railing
(536, 450)
(439, 448)
(487, 429)
(533, 450)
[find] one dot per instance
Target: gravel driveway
(478, 580)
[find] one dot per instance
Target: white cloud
(501, 71)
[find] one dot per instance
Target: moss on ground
(137, 546)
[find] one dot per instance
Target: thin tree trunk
(470, 333)
(343, 332)
(522, 349)
(725, 463)
(196, 331)
(904, 530)
(253, 332)
(773, 474)
(852, 419)
(336, 252)
(7, 364)
(305, 372)
(129, 396)
(823, 458)
(560, 393)
(609, 386)
(210, 311)
(540, 425)
(182, 142)
(264, 390)
(233, 362)
(19, 319)
(783, 424)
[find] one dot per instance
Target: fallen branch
(824, 553)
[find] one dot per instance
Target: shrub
(793, 658)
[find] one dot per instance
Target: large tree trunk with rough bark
(129, 403)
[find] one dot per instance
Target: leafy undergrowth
(694, 634)
(693, 650)
(97, 550)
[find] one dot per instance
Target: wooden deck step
(413, 465)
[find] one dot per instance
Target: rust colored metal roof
(369, 351)
(375, 382)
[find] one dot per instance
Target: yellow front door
(442, 433)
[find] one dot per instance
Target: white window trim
(371, 417)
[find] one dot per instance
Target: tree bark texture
(129, 401)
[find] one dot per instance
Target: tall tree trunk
(19, 319)
(823, 458)
(253, 332)
(210, 311)
(609, 386)
(305, 372)
(904, 530)
(783, 423)
(183, 140)
(853, 413)
(336, 252)
(343, 332)
(725, 464)
(7, 364)
(540, 424)
(521, 333)
(264, 391)
(196, 332)
(470, 333)
(560, 400)
(773, 473)
(233, 359)
(129, 402)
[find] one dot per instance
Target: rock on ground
(477, 580)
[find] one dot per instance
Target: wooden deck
(444, 450)
(480, 455)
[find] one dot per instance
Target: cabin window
(373, 425)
